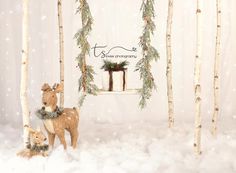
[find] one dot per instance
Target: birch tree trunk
(24, 72)
(61, 44)
(197, 84)
(169, 64)
(216, 69)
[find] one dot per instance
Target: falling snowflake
(109, 111)
(114, 133)
(43, 18)
(227, 73)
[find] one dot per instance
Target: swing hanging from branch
(143, 66)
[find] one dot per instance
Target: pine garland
(114, 66)
(38, 148)
(148, 51)
(43, 114)
(86, 80)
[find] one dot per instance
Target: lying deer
(36, 146)
(57, 120)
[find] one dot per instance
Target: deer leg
(74, 137)
(61, 135)
(51, 138)
(71, 137)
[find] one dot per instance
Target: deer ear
(30, 130)
(57, 88)
(46, 87)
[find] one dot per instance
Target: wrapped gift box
(114, 80)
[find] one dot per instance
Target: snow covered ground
(141, 147)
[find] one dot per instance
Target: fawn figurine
(56, 120)
(36, 147)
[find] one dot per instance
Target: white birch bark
(24, 71)
(61, 50)
(216, 68)
(169, 64)
(197, 84)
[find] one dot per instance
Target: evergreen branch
(81, 99)
(114, 66)
(86, 80)
(148, 51)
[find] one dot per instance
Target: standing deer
(66, 119)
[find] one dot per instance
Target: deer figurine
(56, 120)
(36, 146)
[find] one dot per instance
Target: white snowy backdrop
(119, 23)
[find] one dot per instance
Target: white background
(117, 23)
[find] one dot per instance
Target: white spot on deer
(48, 109)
